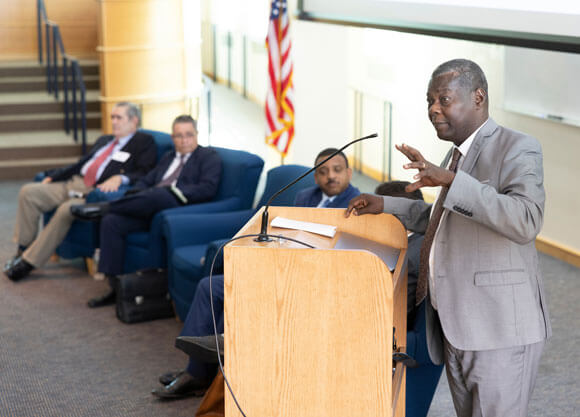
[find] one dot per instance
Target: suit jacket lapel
(477, 145)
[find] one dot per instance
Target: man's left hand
(112, 184)
(429, 175)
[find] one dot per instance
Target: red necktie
(91, 174)
(422, 282)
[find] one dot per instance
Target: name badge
(121, 156)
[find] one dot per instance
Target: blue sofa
(240, 175)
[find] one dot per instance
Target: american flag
(279, 99)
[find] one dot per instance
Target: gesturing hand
(429, 175)
(364, 204)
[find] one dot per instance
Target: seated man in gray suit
(120, 158)
(486, 312)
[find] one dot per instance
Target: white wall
(330, 60)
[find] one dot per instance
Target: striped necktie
(174, 175)
(422, 282)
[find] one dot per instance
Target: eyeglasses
(186, 136)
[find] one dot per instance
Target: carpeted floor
(60, 358)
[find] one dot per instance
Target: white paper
(319, 229)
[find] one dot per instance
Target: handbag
(143, 296)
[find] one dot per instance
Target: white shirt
(324, 198)
(463, 149)
(122, 142)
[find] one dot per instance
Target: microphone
(263, 237)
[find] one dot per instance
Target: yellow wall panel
(143, 72)
(142, 23)
(77, 20)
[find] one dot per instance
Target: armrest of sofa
(97, 195)
(210, 253)
(195, 229)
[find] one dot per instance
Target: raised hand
(429, 175)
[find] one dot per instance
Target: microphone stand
(263, 236)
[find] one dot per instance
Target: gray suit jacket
(488, 284)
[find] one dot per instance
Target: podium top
(384, 229)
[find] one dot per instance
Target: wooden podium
(309, 332)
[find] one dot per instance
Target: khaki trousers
(35, 199)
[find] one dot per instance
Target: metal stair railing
(75, 106)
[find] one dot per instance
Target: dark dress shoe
(168, 377)
(90, 211)
(17, 269)
(202, 348)
(185, 385)
(9, 263)
(104, 300)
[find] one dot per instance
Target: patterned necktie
(423, 283)
(90, 177)
(174, 175)
(326, 203)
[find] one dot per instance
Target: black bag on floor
(143, 296)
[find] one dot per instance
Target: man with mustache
(332, 179)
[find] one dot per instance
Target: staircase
(32, 136)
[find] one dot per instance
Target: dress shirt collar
(464, 147)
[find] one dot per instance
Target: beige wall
(150, 54)
(331, 61)
(77, 20)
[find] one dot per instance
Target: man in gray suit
(487, 317)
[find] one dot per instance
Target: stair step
(20, 84)
(36, 108)
(25, 68)
(43, 139)
(23, 123)
(17, 154)
(27, 169)
(41, 116)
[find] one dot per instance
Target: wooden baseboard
(558, 251)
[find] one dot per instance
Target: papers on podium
(319, 229)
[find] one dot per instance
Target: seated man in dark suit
(120, 158)
(333, 188)
(190, 174)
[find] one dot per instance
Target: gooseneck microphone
(263, 236)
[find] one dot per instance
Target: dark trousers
(126, 215)
(199, 321)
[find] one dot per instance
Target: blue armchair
(83, 237)
(189, 236)
(240, 175)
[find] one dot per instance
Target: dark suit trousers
(127, 215)
(199, 321)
